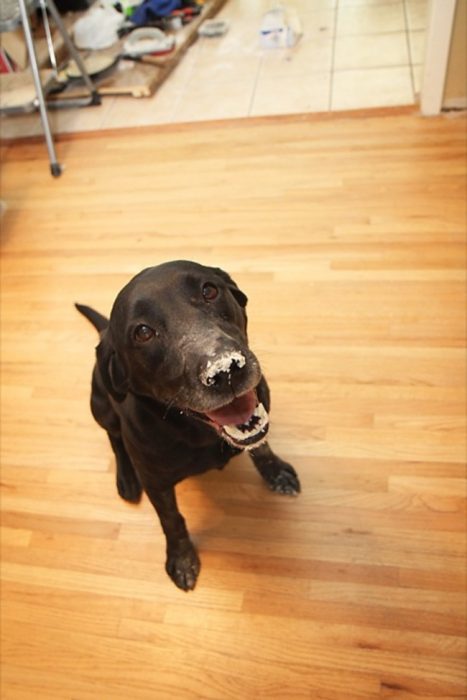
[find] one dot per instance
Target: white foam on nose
(223, 363)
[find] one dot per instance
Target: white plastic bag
(98, 28)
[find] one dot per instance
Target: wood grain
(348, 235)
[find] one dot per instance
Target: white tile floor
(353, 54)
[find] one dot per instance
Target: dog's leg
(128, 484)
(278, 475)
(183, 564)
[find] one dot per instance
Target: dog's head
(178, 334)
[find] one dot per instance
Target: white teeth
(259, 422)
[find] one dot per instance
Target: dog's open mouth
(243, 422)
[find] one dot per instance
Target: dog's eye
(144, 333)
(210, 291)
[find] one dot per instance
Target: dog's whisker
(170, 405)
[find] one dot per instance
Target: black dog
(179, 392)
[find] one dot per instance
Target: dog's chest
(174, 445)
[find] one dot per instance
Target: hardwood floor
(348, 236)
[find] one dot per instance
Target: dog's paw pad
(285, 482)
(183, 568)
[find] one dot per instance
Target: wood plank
(347, 235)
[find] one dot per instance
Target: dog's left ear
(237, 293)
(111, 368)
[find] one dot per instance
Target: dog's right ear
(111, 368)
(237, 293)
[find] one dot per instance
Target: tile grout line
(384, 66)
(107, 112)
(255, 85)
(402, 30)
(179, 97)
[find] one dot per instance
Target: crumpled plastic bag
(98, 29)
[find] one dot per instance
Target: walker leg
(54, 165)
(95, 97)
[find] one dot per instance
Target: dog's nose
(220, 370)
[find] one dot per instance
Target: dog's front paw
(281, 477)
(286, 481)
(183, 565)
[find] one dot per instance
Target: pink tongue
(237, 412)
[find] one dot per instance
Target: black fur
(149, 395)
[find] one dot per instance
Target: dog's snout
(222, 368)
